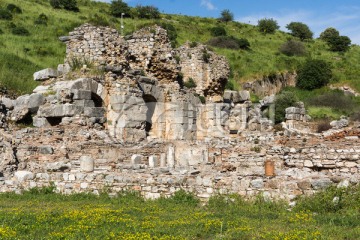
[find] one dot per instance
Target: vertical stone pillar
(153, 161)
(163, 160)
(171, 156)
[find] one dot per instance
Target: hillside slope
(20, 56)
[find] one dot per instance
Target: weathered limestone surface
(209, 71)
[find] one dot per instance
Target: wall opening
(150, 103)
(98, 102)
(54, 121)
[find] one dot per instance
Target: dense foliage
(300, 30)
(218, 31)
(118, 7)
(336, 42)
(268, 25)
(314, 74)
(147, 12)
(282, 101)
(229, 42)
(293, 48)
(70, 5)
(226, 16)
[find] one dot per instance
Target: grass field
(45, 215)
(20, 56)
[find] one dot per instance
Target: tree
(293, 48)
(300, 30)
(268, 25)
(282, 101)
(117, 7)
(336, 42)
(147, 12)
(329, 34)
(339, 44)
(314, 74)
(226, 16)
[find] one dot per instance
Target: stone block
(84, 103)
(35, 101)
(65, 110)
(22, 176)
(94, 112)
(86, 164)
(321, 183)
(257, 183)
(46, 150)
(136, 159)
(45, 74)
(79, 94)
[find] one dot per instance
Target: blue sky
(344, 15)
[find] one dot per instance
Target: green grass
(40, 214)
(42, 49)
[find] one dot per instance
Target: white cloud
(208, 4)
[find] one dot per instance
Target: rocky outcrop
(271, 84)
(208, 70)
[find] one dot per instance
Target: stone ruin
(117, 114)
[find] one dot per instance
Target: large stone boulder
(45, 74)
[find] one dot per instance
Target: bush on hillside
(229, 42)
(42, 19)
(13, 8)
(117, 7)
(147, 12)
(334, 99)
(99, 20)
(70, 5)
(282, 101)
(217, 31)
(314, 74)
(293, 48)
(5, 14)
(300, 30)
(190, 83)
(20, 31)
(1, 31)
(226, 16)
(267, 25)
(339, 44)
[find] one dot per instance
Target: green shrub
(190, 83)
(267, 25)
(206, 56)
(226, 16)
(20, 31)
(183, 197)
(293, 48)
(42, 19)
(230, 85)
(314, 74)
(323, 126)
(5, 14)
(117, 7)
(193, 44)
(99, 20)
(339, 44)
(300, 30)
(282, 101)
(217, 31)
(13, 8)
(70, 5)
(147, 12)
(229, 42)
(1, 31)
(335, 99)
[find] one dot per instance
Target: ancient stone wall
(209, 71)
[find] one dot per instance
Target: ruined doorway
(150, 103)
